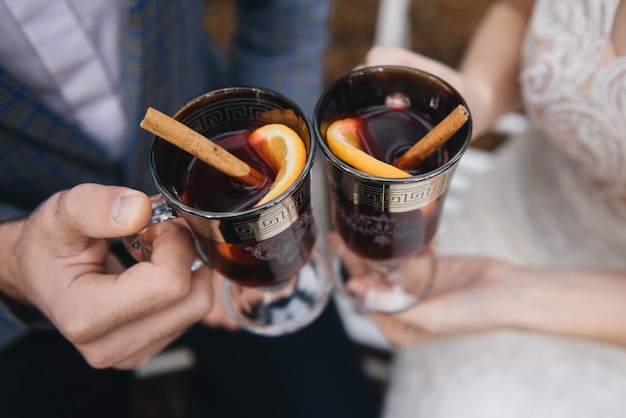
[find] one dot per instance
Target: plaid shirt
(166, 59)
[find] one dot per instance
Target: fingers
(398, 328)
(219, 316)
(131, 344)
(398, 332)
(96, 211)
(114, 317)
(96, 303)
(393, 55)
(386, 55)
(113, 265)
(351, 261)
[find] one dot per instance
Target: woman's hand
(474, 92)
(475, 294)
(392, 55)
(487, 76)
(468, 295)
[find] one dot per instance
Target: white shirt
(67, 51)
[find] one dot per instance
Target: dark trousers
(314, 372)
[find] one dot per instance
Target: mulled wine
(255, 263)
(374, 231)
(207, 188)
(259, 239)
(388, 132)
(383, 212)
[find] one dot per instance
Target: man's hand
(58, 260)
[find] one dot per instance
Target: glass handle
(138, 247)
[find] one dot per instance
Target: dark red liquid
(377, 233)
(388, 133)
(266, 262)
(254, 263)
(207, 188)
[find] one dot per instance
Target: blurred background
(437, 28)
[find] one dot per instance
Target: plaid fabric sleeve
(280, 44)
(10, 326)
(10, 212)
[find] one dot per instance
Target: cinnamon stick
(434, 139)
(194, 143)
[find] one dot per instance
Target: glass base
(388, 287)
(285, 307)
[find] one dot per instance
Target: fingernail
(124, 208)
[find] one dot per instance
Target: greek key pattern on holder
(274, 220)
(394, 197)
(227, 111)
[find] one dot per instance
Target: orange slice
(283, 148)
(236, 253)
(343, 141)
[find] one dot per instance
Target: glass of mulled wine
(389, 222)
(276, 282)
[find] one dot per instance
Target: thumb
(97, 211)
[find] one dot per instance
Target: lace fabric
(553, 197)
(574, 88)
(556, 194)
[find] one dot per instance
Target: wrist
(512, 285)
(22, 313)
(12, 299)
(10, 232)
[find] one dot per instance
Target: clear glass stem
(284, 307)
(389, 286)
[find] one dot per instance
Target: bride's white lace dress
(556, 196)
